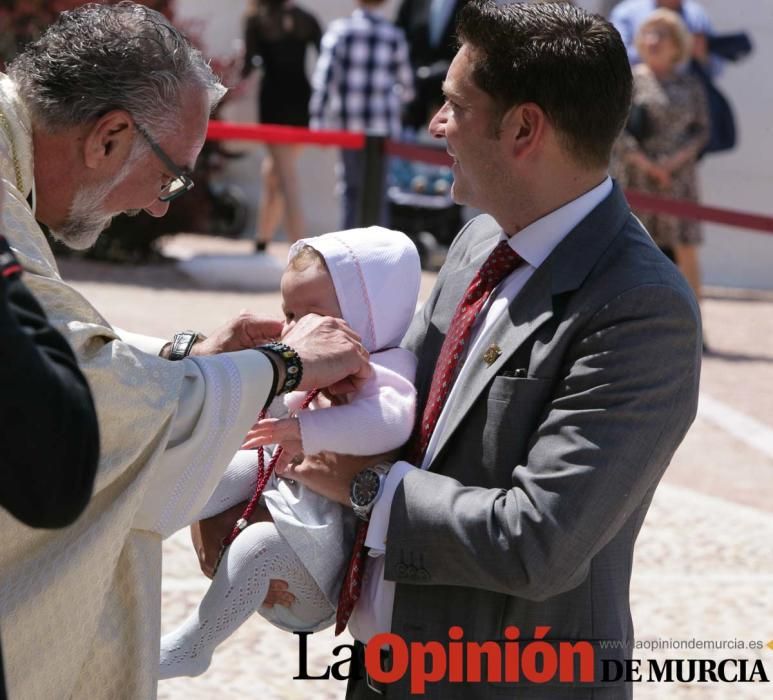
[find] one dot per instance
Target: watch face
(365, 487)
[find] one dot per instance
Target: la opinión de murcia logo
(516, 659)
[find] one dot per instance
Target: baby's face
(308, 291)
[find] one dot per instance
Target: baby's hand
(271, 431)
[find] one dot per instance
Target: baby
(370, 278)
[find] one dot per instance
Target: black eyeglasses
(182, 181)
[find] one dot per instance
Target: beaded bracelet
(292, 362)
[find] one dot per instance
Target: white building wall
(742, 179)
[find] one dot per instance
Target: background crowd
(380, 71)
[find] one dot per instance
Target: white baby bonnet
(376, 274)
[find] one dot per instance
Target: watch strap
(182, 344)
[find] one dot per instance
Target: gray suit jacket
(530, 509)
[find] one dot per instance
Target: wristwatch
(182, 344)
(366, 487)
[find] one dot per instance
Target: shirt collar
(535, 242)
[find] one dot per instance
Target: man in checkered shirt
(362, 80)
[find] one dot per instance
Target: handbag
(722, 130)
(731, 47)
(639, 124)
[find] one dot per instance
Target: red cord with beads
(264, 474)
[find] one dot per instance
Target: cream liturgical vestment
(80, 607)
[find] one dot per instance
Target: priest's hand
(330, 474)
(207, 536)
(332, 354)
(241, 333)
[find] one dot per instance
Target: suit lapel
(458, 280)
(531, 308)
(564, 271)
(454, 287)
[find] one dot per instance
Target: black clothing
(279, 39)
(50, 434)
(430, 63)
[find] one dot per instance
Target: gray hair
(98, 58)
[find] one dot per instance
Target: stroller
(420, 205)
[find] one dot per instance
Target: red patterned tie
(350, 591)
(502, 261)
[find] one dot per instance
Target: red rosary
(264, 474)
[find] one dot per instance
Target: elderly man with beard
(106, 113)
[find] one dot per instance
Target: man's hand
(241, 333)
(330, 474)
(333, 356)
(278, 594)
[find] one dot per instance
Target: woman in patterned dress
(669, 126)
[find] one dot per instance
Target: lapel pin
(492, 353)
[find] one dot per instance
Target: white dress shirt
(373, 613)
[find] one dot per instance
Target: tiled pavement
(704, 561)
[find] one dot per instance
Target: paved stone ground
(704, 562)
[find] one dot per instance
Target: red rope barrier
(273, 133)
(691, 210)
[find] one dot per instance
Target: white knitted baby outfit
(376, 275)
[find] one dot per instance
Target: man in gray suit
(550, 411)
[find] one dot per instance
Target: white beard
(87, 218)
